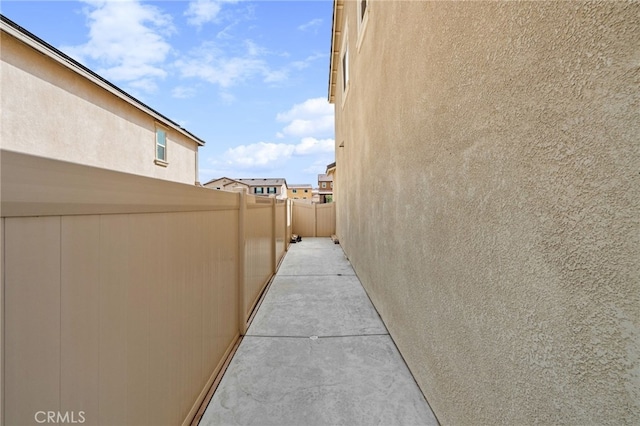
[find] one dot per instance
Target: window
(161, 146)
(331, 183)
(345, 69)
(258, 190)
(363, 18)
(344, 64)
(324, 184)
(363, 9)
(295, 191)
(271, 190)
(306, 190)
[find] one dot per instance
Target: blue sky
(248, 77)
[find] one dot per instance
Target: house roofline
(284, 181)
(224, 177)
(35, 42)
(336, 31)
(330, 167)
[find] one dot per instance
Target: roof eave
(336, 31)
(63, 59)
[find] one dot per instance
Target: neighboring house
(54, 107)
(325, 188)
(331, 172)
(300, 192)
(489, 198)
(266, 186)
(254, 186)
(226, 184)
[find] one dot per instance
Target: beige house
(226, 184)
(267, 186)
(303, 191)
(254, 186)
(504, 256)
(54, 107)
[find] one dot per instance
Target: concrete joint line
(317, 337)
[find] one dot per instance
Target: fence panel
(281, 230)
(325, 219)
(314, 220)
(259, 250)
(126, 316)
(32, 318)
(304, 219)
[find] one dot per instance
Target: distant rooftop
(325, 178)
(300, 185)
(263, 181)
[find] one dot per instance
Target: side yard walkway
(317, 353)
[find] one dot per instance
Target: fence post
(291, 214)
(315, 219)
(242, 214)
(286, 240)
(274, 260)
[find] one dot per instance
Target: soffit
(336, 32)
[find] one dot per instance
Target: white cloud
(313, 117)
(202, 11)
(310, 145)
(320, 125)
(144, 84)
(317, 167)
(276, 76)
(270, 156)
(258, 155)
(227, 97)
(127, 40)
(311, 25)
(183, 92)
(310, 108)
(306, 63)
(223, 71)
(210, 63)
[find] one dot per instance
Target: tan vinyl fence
(314, 220)
(123, 295)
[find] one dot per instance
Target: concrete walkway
(317, 353)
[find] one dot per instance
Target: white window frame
(344, 64)
(362, 20)
(161, 161)
(270, 188)
(255, 190)
(324, 184)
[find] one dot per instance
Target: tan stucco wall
(504, 256)
(300, 194)
(50, 111)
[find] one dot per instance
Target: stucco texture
(50, 111)
(503, 252)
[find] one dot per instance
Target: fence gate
(314, 220)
